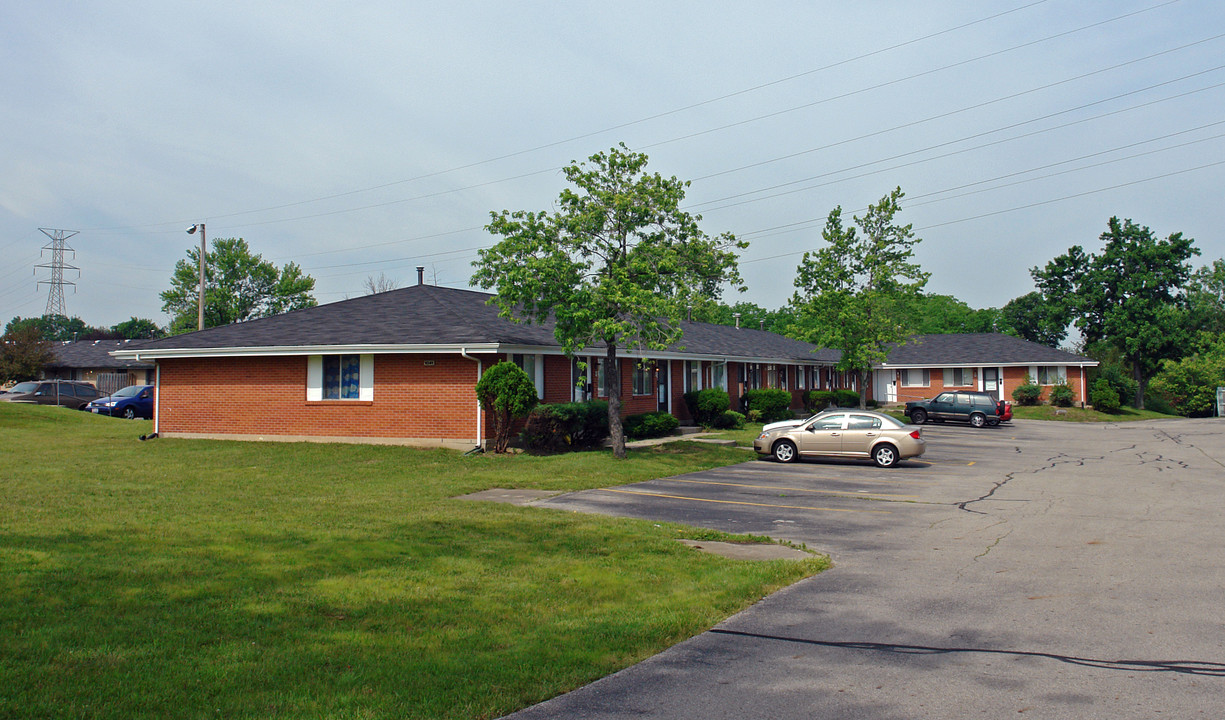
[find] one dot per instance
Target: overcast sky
(370, 137)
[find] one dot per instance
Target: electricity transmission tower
(57, 246)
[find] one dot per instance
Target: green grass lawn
(1073, 414)
(193, 579)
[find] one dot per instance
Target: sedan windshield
(129, 391)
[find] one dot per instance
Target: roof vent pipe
(761, 324)
(420, 274)
(737, 316)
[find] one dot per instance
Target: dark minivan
(977, 408)
(69, 393)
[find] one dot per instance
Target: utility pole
(57, 246)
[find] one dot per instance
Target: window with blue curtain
(342, 377)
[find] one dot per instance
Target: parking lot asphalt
(1038, 569)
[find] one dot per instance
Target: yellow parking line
(846, 493)
(738, 502)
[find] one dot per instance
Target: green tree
(615, 265)
(1189, 384)
(1129, 295)
(854, 293)
(750, 315)
(1206, 299)
(507, 392)
(1030, 317)
(23, 353)
(931, 313)
(138, 329)
(54, 328)
(238, 286)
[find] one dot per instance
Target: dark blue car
(134, 401)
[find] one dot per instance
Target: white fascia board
(284, 350)
(937, 364)
(655, 355)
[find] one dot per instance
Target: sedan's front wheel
(129, 413)
(885, 455)
(784, 451)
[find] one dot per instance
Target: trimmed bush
(566, 426)
(1027, 394)
(768, 404)
(706, 406)
(508, 393)
(729, 420)
(1104, 397)
(650, 425)
(818, 400)
(846, 398)
(1062, 395)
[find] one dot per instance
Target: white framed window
(958, 377)
(340, 377)
(916, 377)
(533, 366)
(693, 374)
(718, 375)
(801, 378)
(1051, 374)
(643, 381)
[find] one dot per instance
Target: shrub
(566, 426)
(1124, 385)
(706, 406)
(817, 400)
(1062, 395)
(846, 398)
(650, 425)
(769, 404)
(729, 420)
(1028, 393)
(1104, 397)
(507, 392)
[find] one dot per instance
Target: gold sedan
(844, 433)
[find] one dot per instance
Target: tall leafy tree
(1206, 299)
(932, 313)
(23, 353)
(138, 329)
(1030, 317)
(853, 294)
(238, 286)
(1128, 295)
(614, 266)
(53, 327)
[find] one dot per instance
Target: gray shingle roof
(434, 315)
(980, 349)
(95, 354)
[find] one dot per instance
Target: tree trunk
(613, 373)
(865, 377)
(1141, 382)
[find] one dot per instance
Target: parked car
(68, 393)
(133, 401)
(1005, 410)
(844, 433)
(977, 408)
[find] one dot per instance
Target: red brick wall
(267, 396)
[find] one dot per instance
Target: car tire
(993, 423)
(918, 417)
(885, 455)
(784, 451)
(978, 420)
(129, 413)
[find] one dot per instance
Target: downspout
(464, 353)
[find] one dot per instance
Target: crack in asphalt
(1181, 667)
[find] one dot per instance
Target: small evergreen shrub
(1104, 397)
(770, 404)
(706, 406)
(649, 425)
(566, 426)
(506, 392)
(729, 420)
(1062, 395)
(1124, 385)
(1028, 393)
